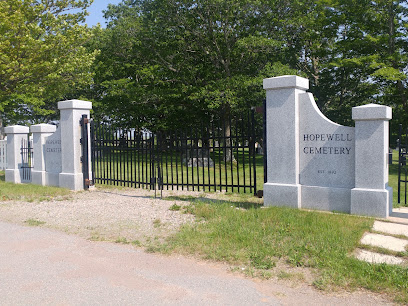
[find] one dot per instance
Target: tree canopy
(42, 54)
(160, 61)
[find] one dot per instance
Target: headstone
(197, 153)
(258, 149)
(200, 162)
(198, 157)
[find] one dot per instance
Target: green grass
(34, 222)
(175, 207)
(29, 192)
(122, 240)
(393, 181)
(259, 238)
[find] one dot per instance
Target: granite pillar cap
(372, 112)
(286, 81)
(75, 104)
(16, 129)
(43, 128)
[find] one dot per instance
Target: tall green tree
(355, 52)
(191, 57)
(42, 54)
(163, 60)
(175, 62)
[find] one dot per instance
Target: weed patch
(157, 223)
(122, 240)
(33, 222)
(175, 207)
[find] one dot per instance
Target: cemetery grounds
(297, 246)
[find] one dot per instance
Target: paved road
(43, 267)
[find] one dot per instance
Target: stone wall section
(315, 163)
(56, 151)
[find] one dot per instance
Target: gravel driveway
(106, 214)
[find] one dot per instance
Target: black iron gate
(85, 150)
(26, 151)
(212, 156)
(402, 144)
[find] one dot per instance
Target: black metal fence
(26, 159)
(214, 156)
(402, 144)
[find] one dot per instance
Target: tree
(42, 56)
(354, 53)
(185, 59)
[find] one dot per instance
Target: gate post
(282, 133)
(371, 196)
(40, 133)
(15, 135)
(71, 111)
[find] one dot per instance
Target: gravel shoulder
(103, 214)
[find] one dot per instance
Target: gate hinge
(88, 182)
(84, 121)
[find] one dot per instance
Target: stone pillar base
(287, 195)
(371, 202)
(73, 181)
(13, 176)
(52, 179)
(326, 198)
(38, 177)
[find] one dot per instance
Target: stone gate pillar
(282, 134)
(371, 196)
(71, 112)
(15, 135)
(40, 133)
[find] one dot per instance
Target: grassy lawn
(29, 192)
(321, 241)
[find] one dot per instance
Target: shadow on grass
(2, 176)
(125, 195)
(240, 204)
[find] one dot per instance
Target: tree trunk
(1, 127)
(391, 50)
(228, 152)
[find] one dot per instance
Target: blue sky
(95, 12)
